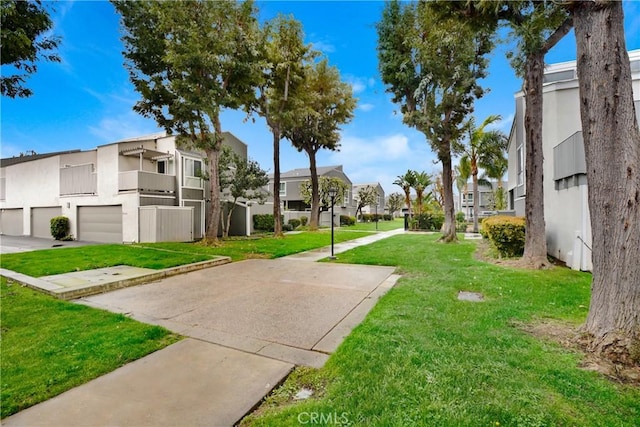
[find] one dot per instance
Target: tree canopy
(24, 39)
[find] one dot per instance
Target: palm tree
(495, 164)
(480, 142)
(406, 182)
(462, 173)
(422, 180)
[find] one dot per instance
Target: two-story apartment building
(566, 209)
(485, 199)
(140, 189)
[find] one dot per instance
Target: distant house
(291, 181)
(378, 206)
(486, 199)
(566, 208)
(139, 189)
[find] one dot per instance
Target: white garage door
(41, 221)
(11, 222)
(100, 224)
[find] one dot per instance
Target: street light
(332, 194)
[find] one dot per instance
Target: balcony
(146, 182)
(568, 157)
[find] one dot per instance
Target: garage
(41, 221)
(100, 224)
(11, 222)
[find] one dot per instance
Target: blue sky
(86, 100)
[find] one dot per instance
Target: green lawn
(265, 247)
(371, 226)
(50, 346)
(64, 260)
(422, 357)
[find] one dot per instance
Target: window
(162, 167)
(520, 165)
(283, 188)
(193, 168)
(467, 197)
(346, 196)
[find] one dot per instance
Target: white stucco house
(140, 189)
(568, 226)
(378, 206)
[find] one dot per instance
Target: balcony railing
(146, 182)
(78, 179)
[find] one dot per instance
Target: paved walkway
(249, 323)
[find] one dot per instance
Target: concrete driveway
(249, 323)
(15, 244)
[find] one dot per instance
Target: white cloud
(125, 125)
(323, 46)
(366, 107)
(503, 125)
(360, 84)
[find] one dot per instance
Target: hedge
(347, 220)
(506, 233)
(295, 223)
(303, 220)
(264, 222)
(428, 221)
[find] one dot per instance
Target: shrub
(294, 222)
(286, 227)
(366, 217)
(59, 227)
(387, 217)
(376, 217)
(429, 221)
(347, 220)
(264, 222)
(460, 218)
(303, 220)
(506, 233)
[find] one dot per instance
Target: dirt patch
(569, 336)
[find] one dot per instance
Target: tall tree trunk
(213, 224)
(476, 202)
(277, 224)
(449, 228)
(314, 221)
(612, 149)
(535, 242)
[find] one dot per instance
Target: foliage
(264, 222)
(431, 221)
(284, 55)
(460, 218)
(303, 220)
(387, 217)
(498, 199)
(25, 39)
(183, 89)
(287, 227)
(295, 223)
(394, 202)
(347, 220)
(325, 103)
(59, 227)
(422, 181)
(367, 196)
(366, 217)
(431, 65)
(324, 184)
(406, 182)
(506, 233)
(63, 345)
(240, 178)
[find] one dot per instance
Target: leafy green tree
(431, 66)
(481, 145)
(283, 75)
(394, 202)
(366, 196)
(240, 178)
(326, 103)
(612, 152)
(406, 182)
(24, 39)
(462, 174)
(188, 61)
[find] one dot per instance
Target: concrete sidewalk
(321, 253)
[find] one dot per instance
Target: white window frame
(283, 188)
(189, 178)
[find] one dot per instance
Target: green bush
(59, 227)
(376, 217)
(303, 220)
(460, 218)
(366, 217)
(294, 222)
(431, 221)
(347, 220)
(264, 222)
(506, 234)
(387, 217)
(287, 227)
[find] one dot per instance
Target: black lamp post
(332, 194)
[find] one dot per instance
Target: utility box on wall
(166, 224)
